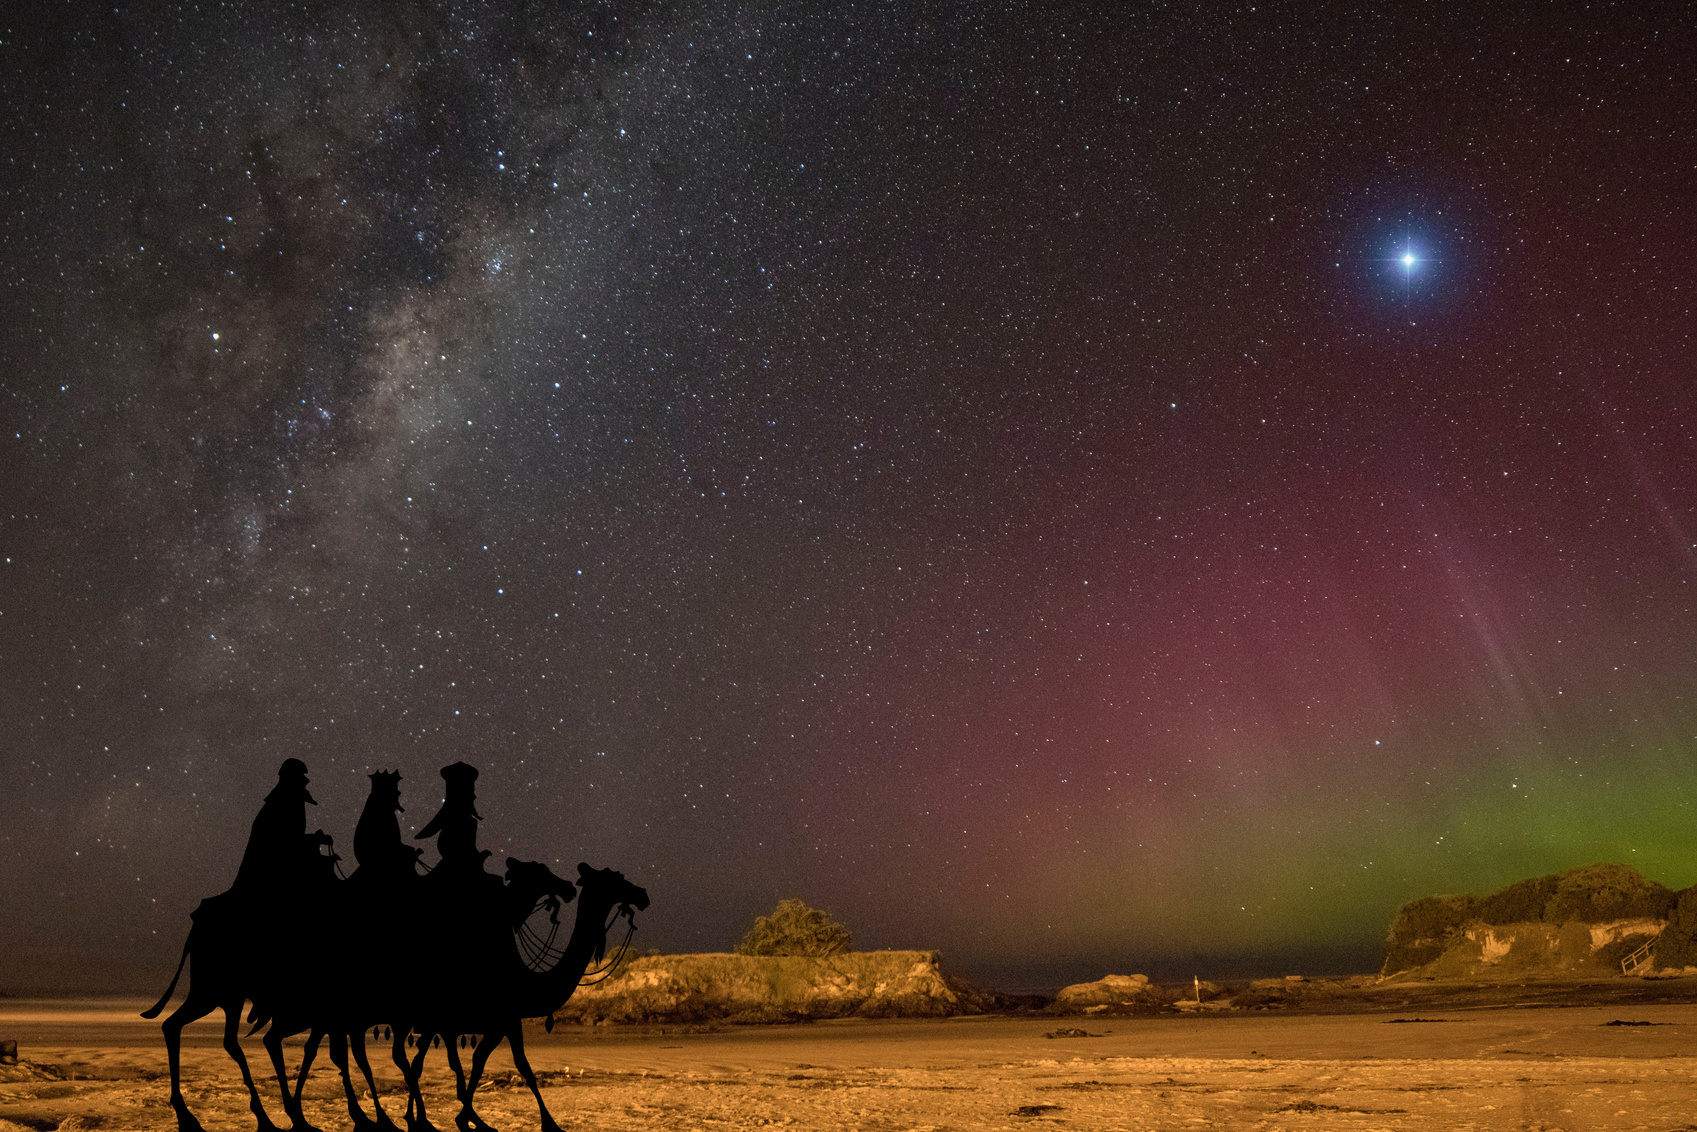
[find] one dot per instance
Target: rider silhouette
(280, 852)
(455, 824)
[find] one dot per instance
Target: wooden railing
(1639, 961)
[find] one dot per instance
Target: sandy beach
(96, 1065)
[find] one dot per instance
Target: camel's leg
(424, 1041)
(292, 1101)
(468, 1120)
(339, 1055)
(515, 1040)
(192, 1009)
(308, 1055)
(450, 1042)
(233, 1046)
(480, 1058)
(398, 1052)
(364, 1063)
(415, 1077)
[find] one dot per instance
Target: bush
(1522, 902)
(1677, 945)
(1423, 927)
(1597, 894)
(795, 929)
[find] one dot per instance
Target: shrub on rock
(793, 928)
(1424, 927)
(1677, 945)
(1522, 902)
(1596, 894)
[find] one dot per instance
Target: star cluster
(1088, 489)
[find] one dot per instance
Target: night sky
(1088, 489)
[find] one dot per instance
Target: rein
(605, 971)
(544, 955)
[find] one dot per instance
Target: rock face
(1518, 951)
(1579, 923)
(755, 988)
(1125, 992)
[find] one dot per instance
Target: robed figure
(455, 824)
(281, 856)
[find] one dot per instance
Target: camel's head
(386, 789)
(612, 887)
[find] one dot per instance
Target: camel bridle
(606, 970)
(541, 955)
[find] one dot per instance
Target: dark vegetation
(793, 928)
(1677, 946)
(1592, 894)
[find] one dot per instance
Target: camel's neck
(547, 992)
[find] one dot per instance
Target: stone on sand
(1111, 990)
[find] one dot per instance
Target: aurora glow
(1121, 491)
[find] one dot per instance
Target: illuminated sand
(1504, 1068)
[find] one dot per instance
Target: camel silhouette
(225, 975)
(321, 957)
(432, 1000)
(515, 992)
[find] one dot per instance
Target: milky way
(989, 473)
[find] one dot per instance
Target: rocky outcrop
(1112, 994)
(1485, 952)
(752, 988)
(1579, 923)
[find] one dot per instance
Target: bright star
(1408, 259)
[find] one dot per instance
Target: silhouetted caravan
(447, 958)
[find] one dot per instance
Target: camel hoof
(186, 1121)
(419, 1124)
(264, 1122)
(548, 1124)
(469, 1121)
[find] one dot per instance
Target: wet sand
(1505, 1067)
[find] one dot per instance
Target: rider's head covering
(459, 776)
(292, 780)
(460, 797)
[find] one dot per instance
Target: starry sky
(1087, 488)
